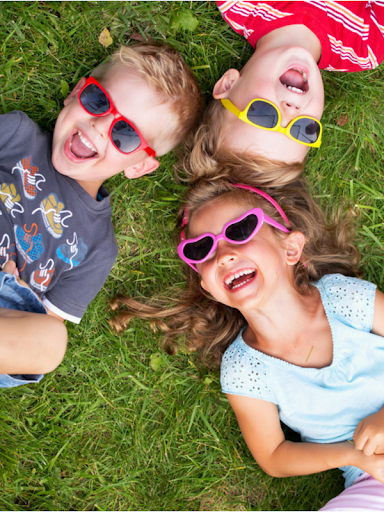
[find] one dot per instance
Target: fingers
(10, 268)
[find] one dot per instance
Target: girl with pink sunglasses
(272, 296)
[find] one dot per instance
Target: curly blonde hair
(208, 325)
(164, 70)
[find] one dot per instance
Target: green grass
(105, 431)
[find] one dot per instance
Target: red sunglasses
(124, 135)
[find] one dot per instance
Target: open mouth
(81, 147)
(239, 279)
(296, 80)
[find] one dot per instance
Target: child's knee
(55, 343)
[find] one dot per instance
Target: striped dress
(351, 33)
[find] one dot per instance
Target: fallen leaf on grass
(64, 88)
(156, 362)
(105, 38)
(184, 19)
(137, 37)
(342, 120)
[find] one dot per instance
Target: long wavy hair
(195, 318)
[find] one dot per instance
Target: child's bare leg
(30, 343)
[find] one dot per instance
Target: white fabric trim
(60, 313)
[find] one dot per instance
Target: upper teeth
(86, 142)
(238, 274)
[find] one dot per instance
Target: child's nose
(226, 252)
(289, 111)
(103, 124)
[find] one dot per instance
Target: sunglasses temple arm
(275, 224)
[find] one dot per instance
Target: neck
(292, 35)
(92, 187)
(279, 325)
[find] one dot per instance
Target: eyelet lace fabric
(244, 374)
(349, 299)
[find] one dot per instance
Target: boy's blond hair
(165, 70)
(206, 155)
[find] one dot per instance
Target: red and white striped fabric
(351, 33)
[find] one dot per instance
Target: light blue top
(324, 405)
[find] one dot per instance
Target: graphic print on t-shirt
(11, 198)
(41, 277)
(53, 215)
(28, 243)
(73, 252)
(29, 173)
(7, 250)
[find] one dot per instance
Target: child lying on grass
(268, 114)
(55, 214)
(271, 294)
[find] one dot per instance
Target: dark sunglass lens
(243, 229)
(263, 114)
(125, 137)
(197, 251)
(94, 100)
(305, 130)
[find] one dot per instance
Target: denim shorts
(16, 296)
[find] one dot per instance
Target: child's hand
(373, 465)
(10, 268)
(369, 434)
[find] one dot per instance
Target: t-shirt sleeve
(71, 295)
(9, 124)
(350, 300)
(245, 375)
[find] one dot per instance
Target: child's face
(262, 260)
(135, 100)
(266, 75)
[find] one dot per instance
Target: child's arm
(260, 425)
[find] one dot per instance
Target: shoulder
(16, 122)
(349, 299)
(242, 372)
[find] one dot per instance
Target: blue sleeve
(350, 300)
(243, 373)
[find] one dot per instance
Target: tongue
(293, 78)
(79, 149)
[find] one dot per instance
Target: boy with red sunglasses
(272, 107)
(56, 233)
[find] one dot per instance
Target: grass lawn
(105, 430)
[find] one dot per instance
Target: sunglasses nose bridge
(103, 124)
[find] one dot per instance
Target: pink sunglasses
(238, 231)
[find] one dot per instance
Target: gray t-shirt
(60, 237)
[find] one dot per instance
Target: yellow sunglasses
(265, 115)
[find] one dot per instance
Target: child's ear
(294, 244)
(224, 85)
(147, 166)
(75, 91)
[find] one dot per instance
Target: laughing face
(242, 276)
(81, 146)
(288, 77)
